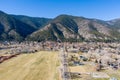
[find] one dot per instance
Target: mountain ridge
(79, 28)
(12, 28)
(63, 27)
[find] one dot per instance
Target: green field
(39, 66)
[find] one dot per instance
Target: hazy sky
(100, 9)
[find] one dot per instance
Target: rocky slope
(35, 22)
(12, 28)
(72, 28)
(63, 28)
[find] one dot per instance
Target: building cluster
(28, 47)
(104, 55)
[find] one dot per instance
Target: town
(77, 61)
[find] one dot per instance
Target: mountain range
(62, 28)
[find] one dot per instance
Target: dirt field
(2, 52)
(39, 66)
(86, 71)
(82, 69)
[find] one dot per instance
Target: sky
(99, 9)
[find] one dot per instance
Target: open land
(59, 61)
(38, 66)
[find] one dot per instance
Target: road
(65, 74)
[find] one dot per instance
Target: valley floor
(37, 66)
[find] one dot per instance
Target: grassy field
(39, 66)
(87, 69)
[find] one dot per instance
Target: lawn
(38, 66)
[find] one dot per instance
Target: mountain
(73, 28)
(13, 29)
(18, 27)
(115, 24)
(62, 28)
(35, 22)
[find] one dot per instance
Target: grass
(39, 66)
(87, 68)
(113, 73)
(100, 79)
